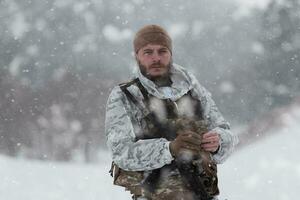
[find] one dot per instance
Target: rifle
(199, 174)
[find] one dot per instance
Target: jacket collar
(180, 86)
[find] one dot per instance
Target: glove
(186, 142)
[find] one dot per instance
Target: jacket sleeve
(127, 153)
(216, 122)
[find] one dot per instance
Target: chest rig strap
(130, 97)
(149, 116)
(151, 182)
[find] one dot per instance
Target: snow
(197, 27)
(14, 66)
(267, 169)
(34, 180)
(257, 48)
(114, 34)
(178, 30)
(227, 87)
(245, 7)
(19, 25)
(253, 3)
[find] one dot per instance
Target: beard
(144, 71)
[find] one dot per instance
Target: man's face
(154, 60)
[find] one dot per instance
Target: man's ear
(136, 56)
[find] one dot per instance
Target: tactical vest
(195, 179)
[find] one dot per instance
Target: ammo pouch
(131, 180)
(208, 177)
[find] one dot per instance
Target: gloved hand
(186, 141)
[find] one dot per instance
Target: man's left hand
(210, 141)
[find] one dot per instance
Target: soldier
(163, 129)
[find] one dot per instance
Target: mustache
(156, 65)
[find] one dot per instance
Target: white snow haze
(268, 169)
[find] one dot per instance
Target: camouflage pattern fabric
(204, 162)
(170, 186)
(125, 123)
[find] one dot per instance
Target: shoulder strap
(127, 84)
(124, 89)
(148, 115)
(198, 106)
(143, 90)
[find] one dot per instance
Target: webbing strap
(145, 94)
(143, 90)
(132, 98)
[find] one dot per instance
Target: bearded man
(164, 131)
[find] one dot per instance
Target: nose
(155, 57)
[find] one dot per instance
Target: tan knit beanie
(152, 34)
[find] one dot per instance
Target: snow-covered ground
(35, 180)
(268, 169)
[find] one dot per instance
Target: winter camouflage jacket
(124, 122)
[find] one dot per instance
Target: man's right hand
(187, 141)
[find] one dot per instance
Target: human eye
(147, 52)
(163, 51)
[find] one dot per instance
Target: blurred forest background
(59, 60)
